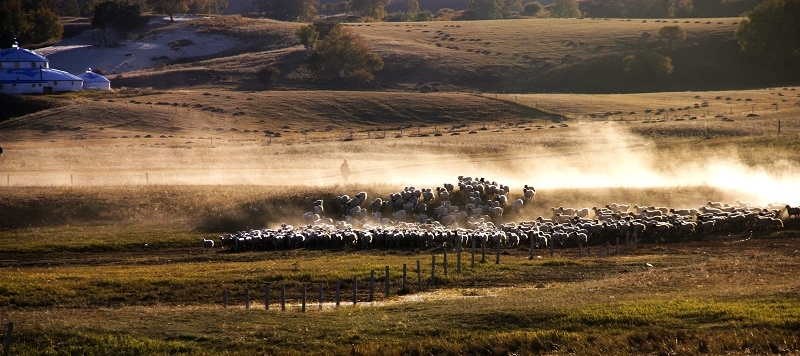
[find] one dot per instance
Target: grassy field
(104, 198)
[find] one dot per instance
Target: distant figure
(345, 169)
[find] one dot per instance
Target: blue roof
(35, 75)
(92, 77)
(16, 54)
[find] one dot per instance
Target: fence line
(603, 250)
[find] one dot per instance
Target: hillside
(520, 56)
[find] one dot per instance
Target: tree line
(34, 22)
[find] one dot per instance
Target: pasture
(105, 197)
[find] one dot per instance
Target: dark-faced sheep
(793, 211)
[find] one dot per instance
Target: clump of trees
(770, 33)
(28, 22)
(647, 66)
(339, 53)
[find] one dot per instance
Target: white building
(24, 71)
(94, 81)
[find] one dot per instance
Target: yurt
(24, 71)
(94, 81)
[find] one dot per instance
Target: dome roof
(16, 54)
(92, 77)
(55, 74)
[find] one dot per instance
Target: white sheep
(208, 244)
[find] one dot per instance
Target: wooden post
(497, 258)
(444, 262)
(321, 291)
(355, 290)
(9, 333)
(419, 275)
(266, 296)
(483, 251)
(225, 299)
(404, 278)
(458, 256)
(246, 298)
(433, 270)
(304, 298)
(530, 256)
(371, 284)
(386, 282)
(338, 292)
(283, 296)
(472, 265)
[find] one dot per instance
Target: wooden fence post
(338, 292)
(433, 270)
(458, 257)
(266, 296)
(371, 284)
(9, 333)
(497, 258)
(419, 275)
(304, 298)
(404, 278)
(444, 263)
(473, 254)
(283, 296)
(355, 290)
(386, 282)
(483, 251)
(321, 291)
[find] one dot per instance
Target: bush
(532, 8)
(308, 35)
(268, 76)
(647, 66)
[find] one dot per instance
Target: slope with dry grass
(527, 55)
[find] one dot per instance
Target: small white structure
(24, 71)
(94, 81)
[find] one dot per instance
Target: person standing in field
(345, 169)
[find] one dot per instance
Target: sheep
(516, 206)
(792, 211)
(529, 193)
(208, 244)
(716, 204)
(582, 213)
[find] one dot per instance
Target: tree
(45, 26)
(486, 9)
(207, 6)
(375, 9)
(647, 66)
(13, 22)
(169, 7)
(412, 10)
(71, 8)
(307, 35)
(770, 32)
(287, 10)
(565, 9)
(672, 35)
(532, 8)
(268, 76)
(343, 52)
(117, 14)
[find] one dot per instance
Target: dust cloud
(585, 156)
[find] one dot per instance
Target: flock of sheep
(471, 212)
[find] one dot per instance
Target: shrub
(532, 8)
(268, 76)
